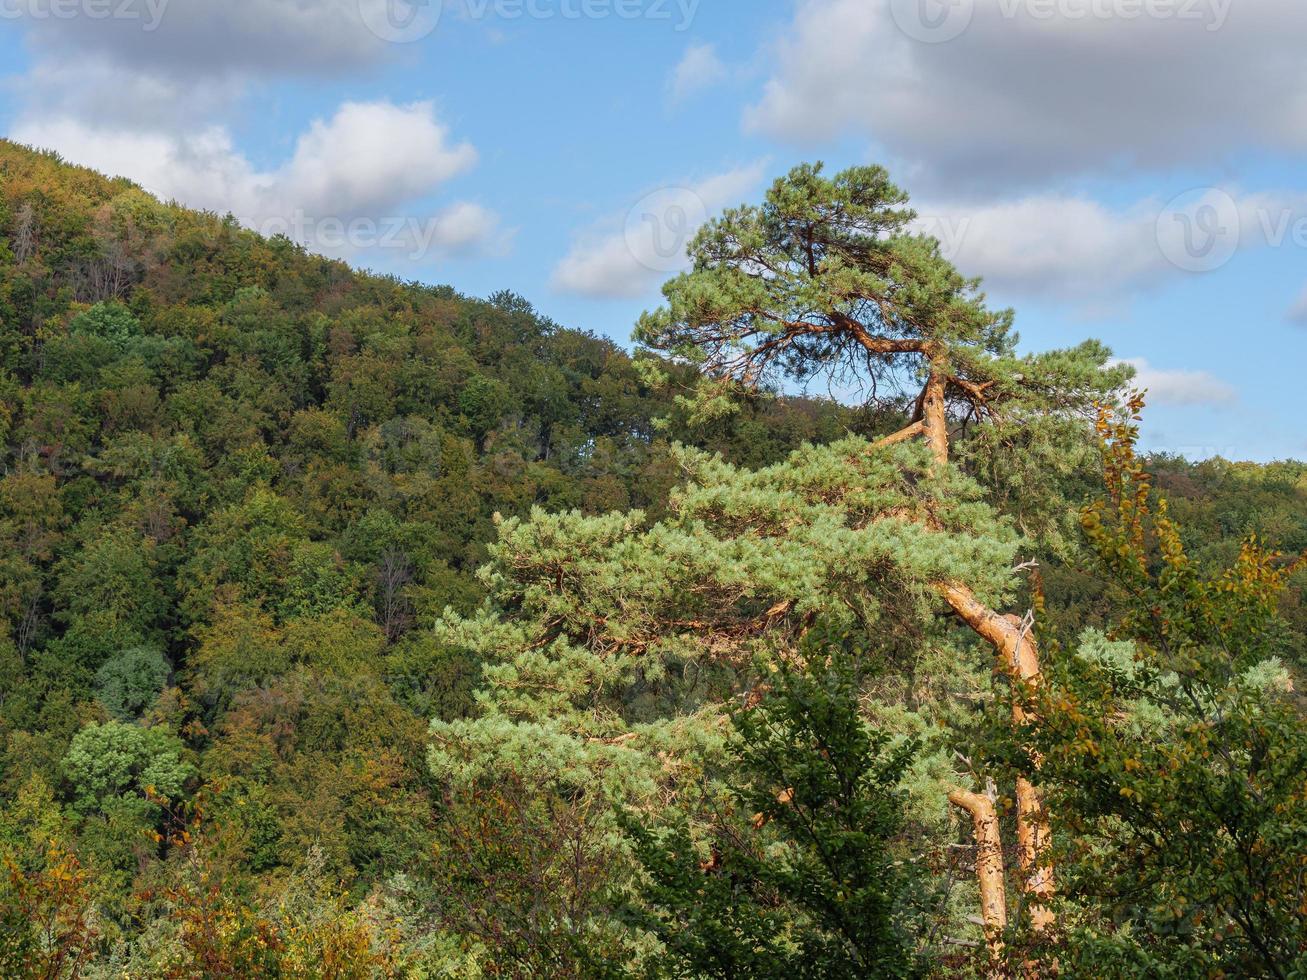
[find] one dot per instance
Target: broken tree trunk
(1010, 636)
(989, 864)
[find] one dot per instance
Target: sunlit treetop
(827, 278)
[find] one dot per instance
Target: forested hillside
(1218, 505)
(260, 714)
(240, 483)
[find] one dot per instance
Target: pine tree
(612, 645)
(826, 278)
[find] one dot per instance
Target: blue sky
(1059, 148)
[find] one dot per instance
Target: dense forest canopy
(356, 627)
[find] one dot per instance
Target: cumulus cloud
(1019, 97)
(1067, 248)
(467, 226)
(631, 253)
(1079, 250)
(698, 69)
(98, 90)
(1180, 387)
(192, 38)
(368, 167)
(372, 155)
(141, 62)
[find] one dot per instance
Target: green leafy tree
(129, 684)
(519, 878)
(110, 321)
(247, 550)
(797, 876)
(611, 644)
(31, 518)
(594, 622)
(484, 402)
(110, 591)
(117, 760)
(1178, 755)
(826, 278)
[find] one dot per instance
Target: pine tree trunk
(1016, 647)
(934, 414)
(1019, 655)
(1033, 840)
(989, 864)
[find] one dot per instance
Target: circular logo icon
(1199, 230)
(661, 225)
(401, 21)
(932, 21)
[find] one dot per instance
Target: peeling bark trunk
(1016, 647)
(1019, 655)
(934, 415)
(1034, 838)
(989, 864)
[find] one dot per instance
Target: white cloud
(603, 269)
(370, 162)
(1018, 98)
(629, 255)
(372, 156)
(699, 69)
(196, 38)
(1050, 246)
(100, 91)
(1079, 250)
(154, 62)
(1180, 387)
(465, 226)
